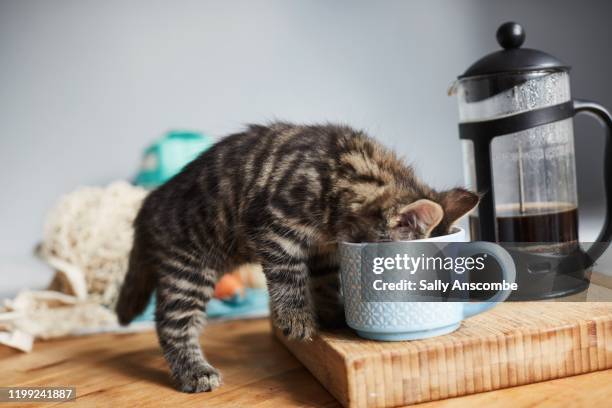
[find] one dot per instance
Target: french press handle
(603, 240)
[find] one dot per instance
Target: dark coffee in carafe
(536, 227)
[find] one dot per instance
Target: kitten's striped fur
(281, 195)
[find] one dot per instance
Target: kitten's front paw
(299, 326)
(200, 378)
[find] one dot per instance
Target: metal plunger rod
(521, 181)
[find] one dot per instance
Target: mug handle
(603, 239)
(503, 258)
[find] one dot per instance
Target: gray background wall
(85, 85)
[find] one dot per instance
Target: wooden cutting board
(514, 344)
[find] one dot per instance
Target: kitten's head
(402, 216)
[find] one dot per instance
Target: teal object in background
(167, 156)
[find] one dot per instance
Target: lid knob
(510, 35)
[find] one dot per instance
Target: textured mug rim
(457, 232)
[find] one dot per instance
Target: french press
(515, 113)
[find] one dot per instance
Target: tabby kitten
(280, 195)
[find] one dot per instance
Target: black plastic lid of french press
(513, 58)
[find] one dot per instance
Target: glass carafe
(533, 171)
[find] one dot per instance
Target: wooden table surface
(129, 369)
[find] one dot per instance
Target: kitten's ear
(458, 202)
(422, 215)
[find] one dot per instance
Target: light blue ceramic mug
(411, 320)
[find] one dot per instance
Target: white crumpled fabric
(87, 239)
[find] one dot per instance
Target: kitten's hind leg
(182, 295)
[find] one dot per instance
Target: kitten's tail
(140, 281)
